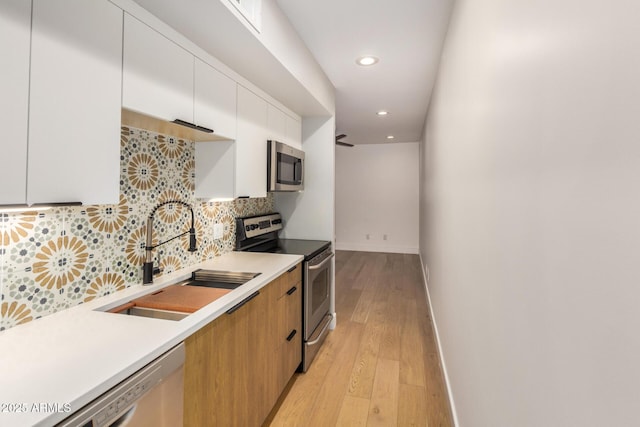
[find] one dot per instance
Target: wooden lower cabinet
(289, 341)
(237, 366)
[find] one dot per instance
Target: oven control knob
(247, 227)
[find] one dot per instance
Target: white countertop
(72, 357)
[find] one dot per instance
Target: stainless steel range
(260, 234)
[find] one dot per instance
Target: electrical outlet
(368, 237)
(384, 237)
(218, 231)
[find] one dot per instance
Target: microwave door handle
(321, 265)
(298, 171)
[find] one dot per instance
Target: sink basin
(153, 313)
(212, 284)
(219, 279)
(177, 301)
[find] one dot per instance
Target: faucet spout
(147, 266)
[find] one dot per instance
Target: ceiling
(406, 36)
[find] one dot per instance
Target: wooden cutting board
(186, 299)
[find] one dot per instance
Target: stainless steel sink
(154, 313)
(219, 279)
(208, 278)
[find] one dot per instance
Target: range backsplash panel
(56, 259)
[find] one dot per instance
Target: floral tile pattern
(56, 259)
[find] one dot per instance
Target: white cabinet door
(251, 145)
(277, 122)
(214, 100)
(157, 75)
(74, 110)
(15, 35)
(294, 132)
(283, 127)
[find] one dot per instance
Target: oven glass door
(317, 289)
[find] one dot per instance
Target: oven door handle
(320, 335)
(321, 265)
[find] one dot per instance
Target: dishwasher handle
(125, 418)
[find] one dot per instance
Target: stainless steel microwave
(285, 167)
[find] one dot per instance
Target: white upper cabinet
(294, 132)
(157, 75)
(277, 121)
(15, 36)
(75, 101)
(284, 128)
(230, 169)
(251, 145)
(214, 100)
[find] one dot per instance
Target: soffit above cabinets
(213, 27)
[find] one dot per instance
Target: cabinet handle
(56, 204)
(292, 268)
(192, 126)
(291, 335)
(292, 290)
(243, 302)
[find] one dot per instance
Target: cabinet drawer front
(293, 316)
(290, 357)
(290, 280)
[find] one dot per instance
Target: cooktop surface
(308, 248)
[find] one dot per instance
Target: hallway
(380, 366)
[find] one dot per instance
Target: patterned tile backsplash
(56, 259)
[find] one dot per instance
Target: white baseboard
(376, 247)
(425, 276)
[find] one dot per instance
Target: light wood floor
(380, 366)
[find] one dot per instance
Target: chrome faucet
(147, 267)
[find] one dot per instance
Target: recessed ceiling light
(382, 113)
(390, 136)
(366, 60)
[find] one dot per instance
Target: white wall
(310, 214)
(377, 195)
(530, 212)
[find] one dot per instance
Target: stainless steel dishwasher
(151, 397)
